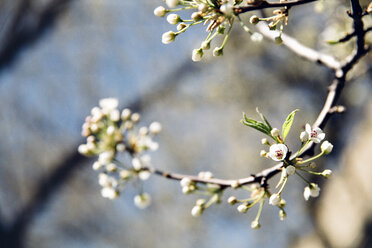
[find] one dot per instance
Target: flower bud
(227, 9)
(282, 214)
(274, 199)
(168, 37)
(275, 132)
(200, 202)
(263, 153)
(255, 224)
(205, 45)
(197, 55)
(173, 19)
(232, 200)
(155, 127)
(243, 208)
(290, 170)
(197, 16)
(218, 51)
(304, 136)
(203, 7)
(235, 184)
(172, 3)
(196, 211)
(254, 19)
(181, 26)
(327, 173)
(326, 147)
(160, 11)
(142, 201)
(278, 40)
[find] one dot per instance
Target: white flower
(136, 163)
(275, 132)
(114, 115)
(168, 37)
(96, 165)
(274, 199)
(256, 37)
(227, 9)
(108, 103)
(311, 191)
(278, 152)
(202, 7)
(173, 19)
(144, 175)
(242, 208)
(172, 3)
(142, 201)
(185, 182)
(155, 127)
(196, 211)
(327, 173)
(315, 134)
(106, 181)
(255, 224)
(110, 130)
(106, 157)
(290, 170)
(304, 136)
(160, 11)
(197, 54)
(109, 192)
(326, 147)
(83, 149)
(125, 114)
(205, 175)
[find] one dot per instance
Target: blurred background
(59, 57)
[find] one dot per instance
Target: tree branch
(267, 5)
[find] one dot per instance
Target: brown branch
(267, 5)
(347, 37)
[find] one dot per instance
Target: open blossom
(315, 134)
(311, 191)
(278, 152)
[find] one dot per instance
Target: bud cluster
(110, 135)
(217, 15)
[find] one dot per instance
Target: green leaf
(288, 124)
(264, 119)
(256, 125)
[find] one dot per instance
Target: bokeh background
(59, 57)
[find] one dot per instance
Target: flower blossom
(278, 152)
(315, 134)
(311, 191)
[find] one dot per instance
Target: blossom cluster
(113, 136)
(217, 15)
(292, 163)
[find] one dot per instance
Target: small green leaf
(264, 119)
(288, 124)
(332, 42)
(256, 125)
